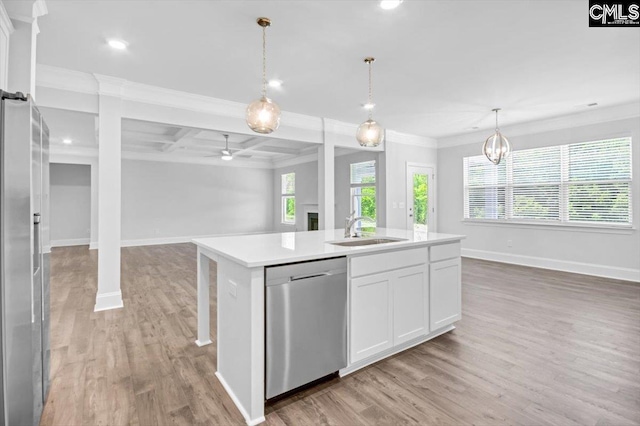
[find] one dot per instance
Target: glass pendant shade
(263, 115)
(370, 134)
(496, 147)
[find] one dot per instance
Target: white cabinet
(410, 303)
(387, 309)
(371, 315)
(445, 292)
(400, 296)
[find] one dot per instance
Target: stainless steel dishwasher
(306, 323)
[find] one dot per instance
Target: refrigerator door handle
(37, 259)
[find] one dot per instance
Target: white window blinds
(586, 182)
(363, 173)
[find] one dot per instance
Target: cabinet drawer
(444, 251)
(374, 263)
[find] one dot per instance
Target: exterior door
(420, 206)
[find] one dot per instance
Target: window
(288, 185)
(363, 191)
(588, 183)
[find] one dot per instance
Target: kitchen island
(401, 293)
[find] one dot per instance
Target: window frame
(355, 186)
(284, 196)
(564, 185)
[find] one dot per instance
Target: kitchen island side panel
(240, 337)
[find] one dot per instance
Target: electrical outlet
(509, 243)
(395, 205)
(156, 231)
(233, 288)
(401, 205)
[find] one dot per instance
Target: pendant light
(370, 133)
(497, 146)
(263, 115)
(226, 154)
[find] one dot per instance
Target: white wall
(70, 204)
(306, 194)
(591, 251)
(171, 202)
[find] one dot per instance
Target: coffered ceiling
(157, 141)
(442, 65)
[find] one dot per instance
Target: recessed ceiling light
(118, 44)
(368, 105)
(275, 83)
(592, 104)
(390, 4)
(67, 141)
(474, 128)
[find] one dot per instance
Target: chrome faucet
(350, 221)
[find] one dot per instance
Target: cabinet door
(410, 303)
(371, 321)
(445, 293)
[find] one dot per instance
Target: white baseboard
(236, 401)
(70, 242)
(106, 301)
(93, 245)
(626, 274)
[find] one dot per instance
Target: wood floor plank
(534, 347)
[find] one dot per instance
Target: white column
(109, 192)
(21, 76)
(93, 238)
(204, 333)
(326, 178)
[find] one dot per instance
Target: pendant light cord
(370, 92)
(497, 129)
(264, 62)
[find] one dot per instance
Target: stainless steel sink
(366, 242)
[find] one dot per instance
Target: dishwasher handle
(306, 277)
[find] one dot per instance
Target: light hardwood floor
(534, 347)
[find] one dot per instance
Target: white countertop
(277, 248)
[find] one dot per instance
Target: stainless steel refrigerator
(24, 263)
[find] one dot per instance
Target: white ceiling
(442, 65)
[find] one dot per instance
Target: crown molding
(110, 86)
(65, 79)
(407, 139)
(5, 21)
(27, 11)
(39, 8)
(77, 81)
(584, 118)
(343, 133)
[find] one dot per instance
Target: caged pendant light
(263, 115)
(497, 146)
(370, 133)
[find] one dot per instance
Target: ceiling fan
(226, 153)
